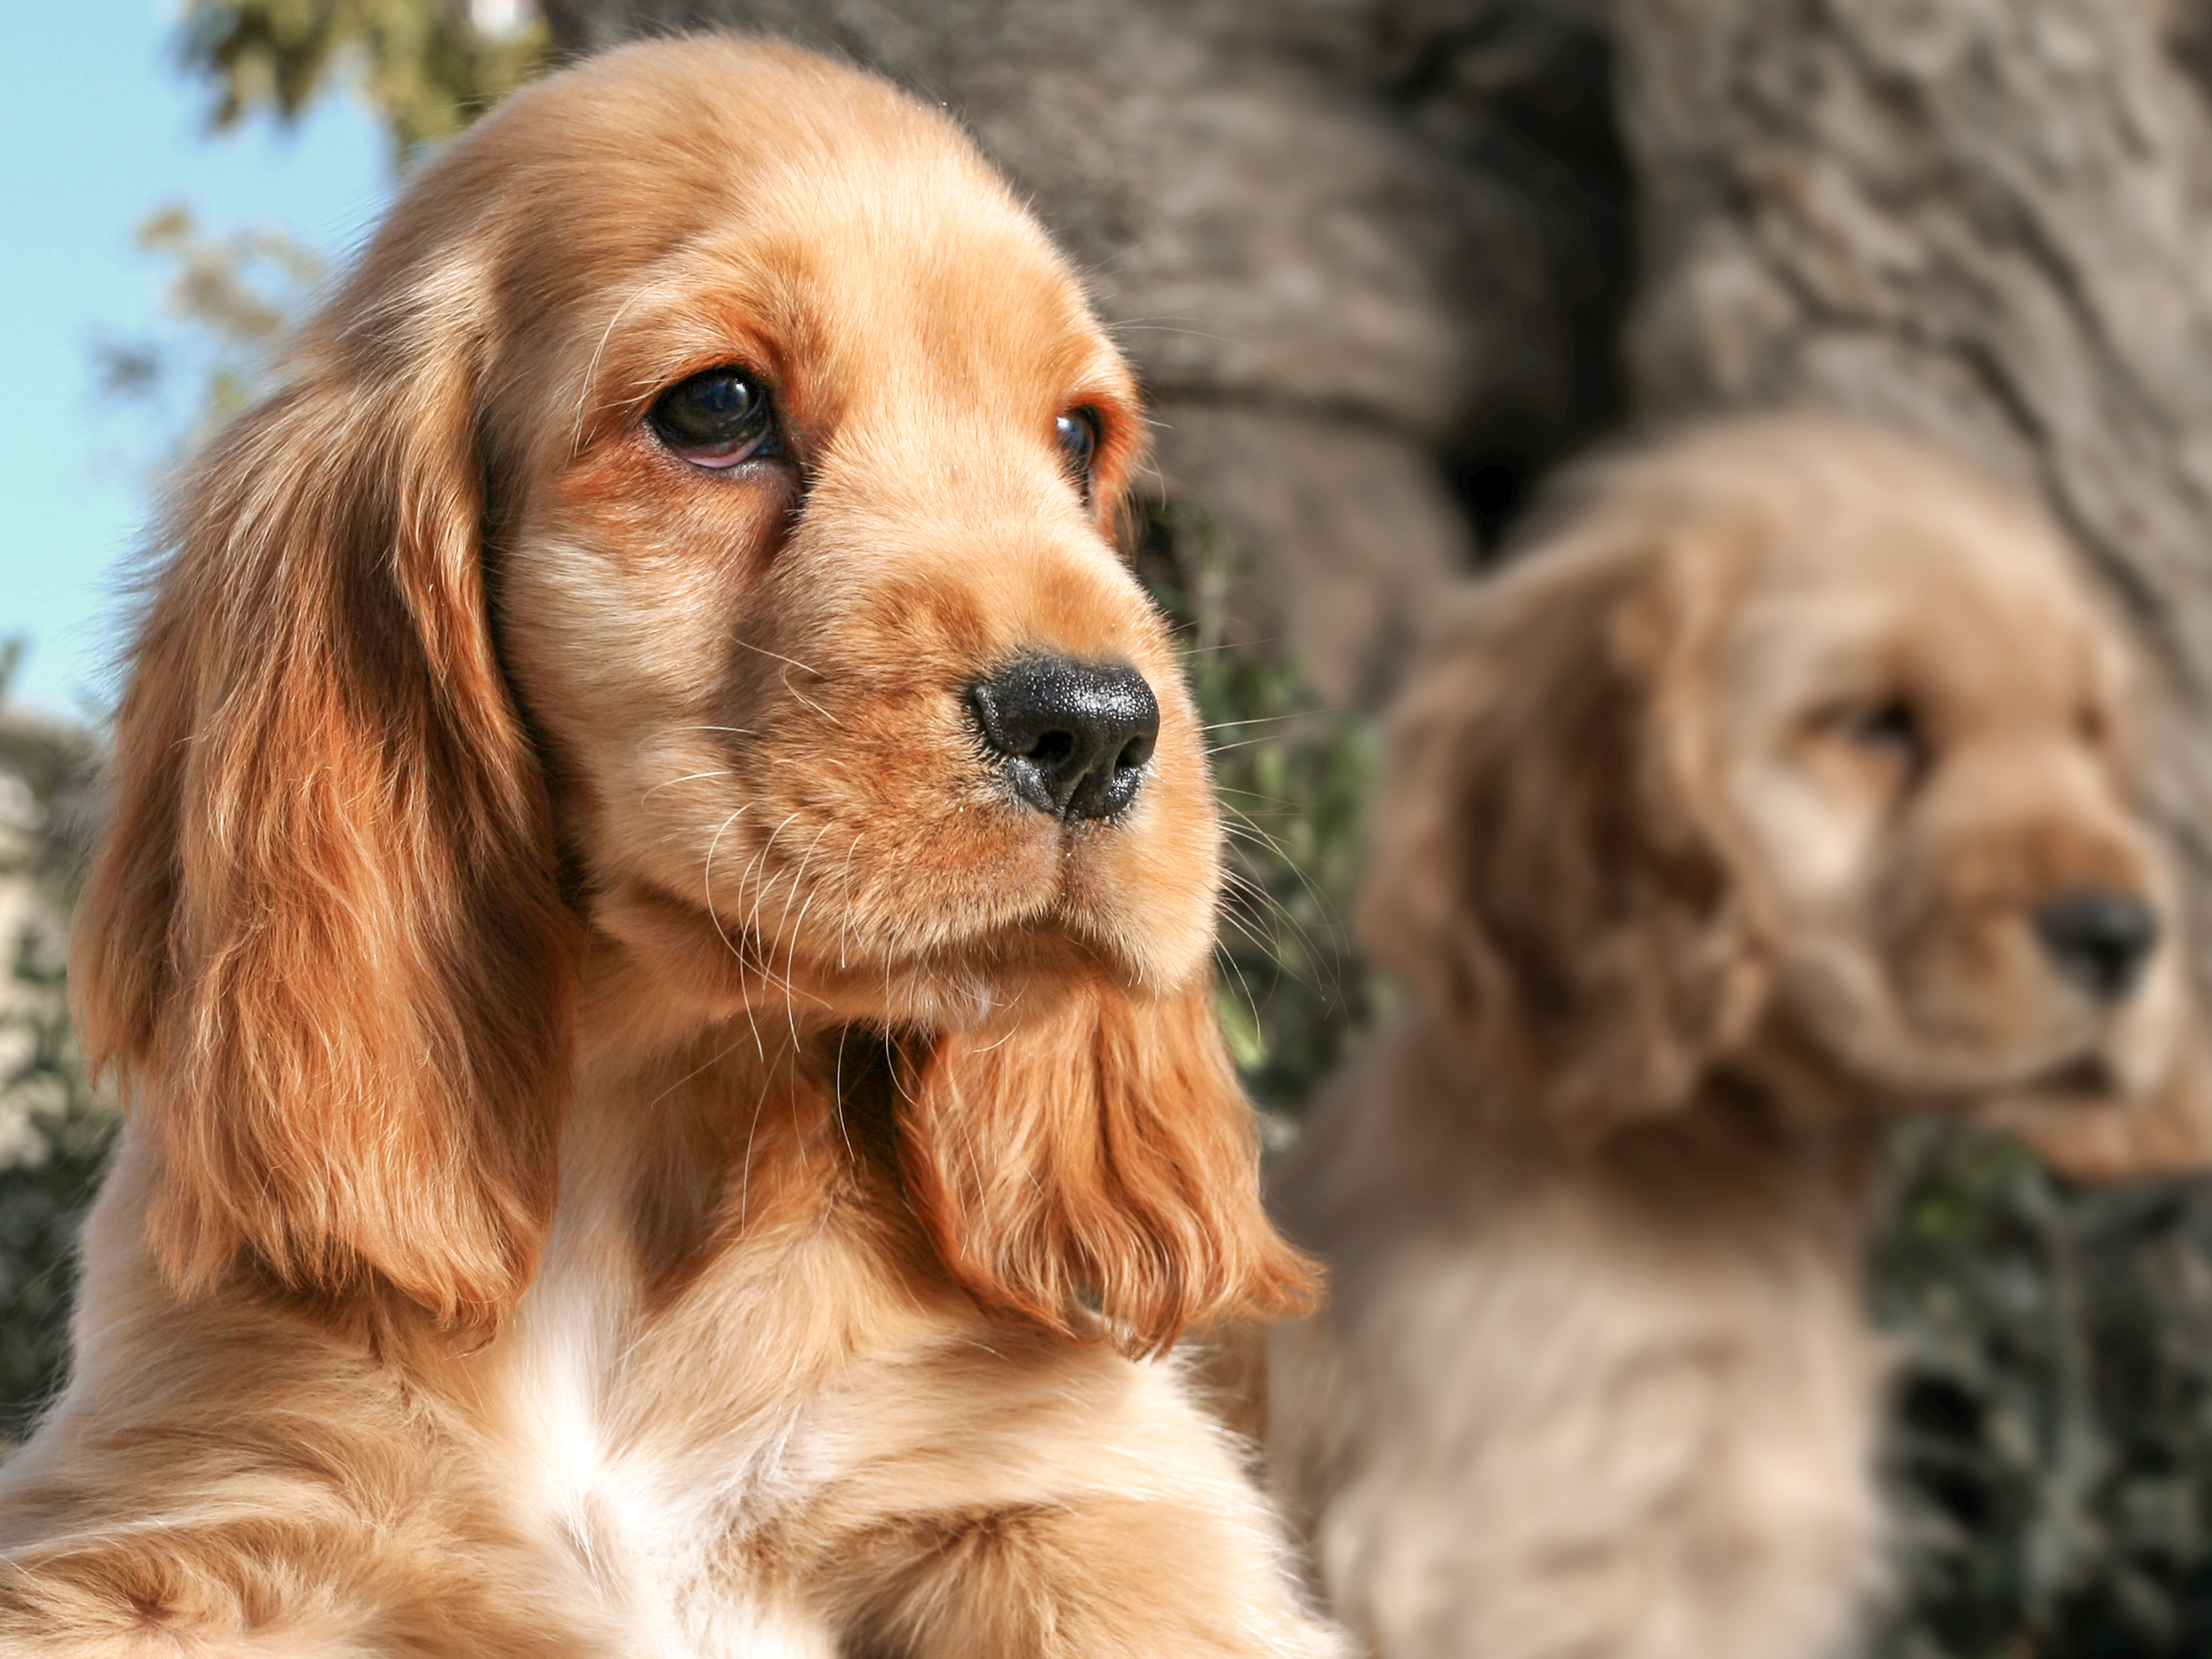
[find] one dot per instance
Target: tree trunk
(1985, 222)
(1289, 212)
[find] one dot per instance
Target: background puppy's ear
(1552, 873)
(322, 943)
(1102, 1157)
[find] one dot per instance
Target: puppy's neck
(707, 1115)
(1814, 1154)
(1742, 1155)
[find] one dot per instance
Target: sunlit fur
(1683, 924)
(638, 1142)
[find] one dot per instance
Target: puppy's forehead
(1856, 518)
(1937, 590)
(711, 196)
(926, 278)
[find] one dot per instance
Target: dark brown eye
(1893, 727)
(716, 418)
(1077, 433)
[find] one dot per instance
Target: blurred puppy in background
(1791, 784)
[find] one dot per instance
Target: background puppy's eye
(716, 418)
(1892, 727)
(1078, 433)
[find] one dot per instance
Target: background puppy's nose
(1073, 736)
(2100, 940)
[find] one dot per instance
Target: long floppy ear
(1101, 1161)
(323, 948)
(1551, 873)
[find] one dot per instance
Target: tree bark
(1984, 222)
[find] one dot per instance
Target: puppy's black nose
(2100, 940)
(1073, 738)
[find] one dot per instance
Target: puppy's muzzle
(1073, 738)
(2099, 940)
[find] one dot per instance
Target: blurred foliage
(43, 1186)
(1292, 779)
(231, 299)
(54, 1132)
(2051, 1446)
(428, 67)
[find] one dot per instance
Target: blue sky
(97, 129)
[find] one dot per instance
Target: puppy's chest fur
(1640, 1454)
(1621, 1406)
(740, 1356)
(678, 1389)
(661, 1497)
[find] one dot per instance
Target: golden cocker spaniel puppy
(1790, 783)
(654, 930)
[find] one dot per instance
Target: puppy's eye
(716, 418)
(1892, 727)
(1076, 432)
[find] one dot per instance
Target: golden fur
(1713, 837)
(637, 1143)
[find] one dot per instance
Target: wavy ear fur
(1101, 1161)
(323, 945)
(1549, 874)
